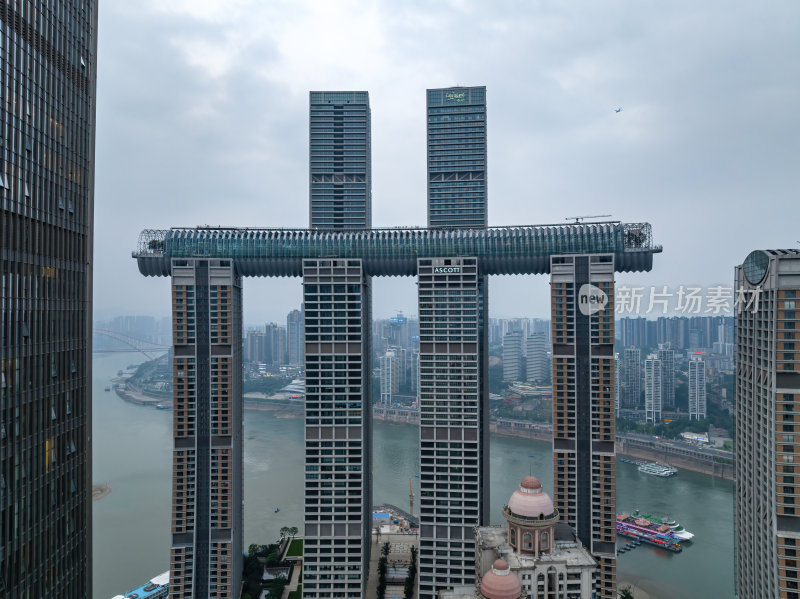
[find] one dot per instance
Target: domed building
(534, 550)
(531, 518)
(500, 583)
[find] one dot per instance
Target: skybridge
(258, 252)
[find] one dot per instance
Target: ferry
(156, 588)
(646, 531)
(657, 469)
(677, 530)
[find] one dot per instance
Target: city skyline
(202, 72)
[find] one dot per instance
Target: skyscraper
(454, 421)
(453, 307)
(48, 59)
(538, 365)
(338, 355)
(633, 379)
(390, 374)
(255, 346)
(667, 357)
(340, 160)
(338, 428)
(294, 337)
(457, 188)
(582, 306)
(697, 388)
(206, 556)
(767, 515)
(512, 356)
(652, 389)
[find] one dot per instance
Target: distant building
(539, 367)
(294, 337)
(652, 389)
(534, 550)
(255, 346)
(390, 366)
(697, 388)
(767, 510)
(633, 379)
(275, 344)
(512, 356)
(667, 357)
(617, 384)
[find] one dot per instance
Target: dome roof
(530, 501)
(530, 482)
(500, 582)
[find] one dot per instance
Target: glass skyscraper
(47, 93)
(457, 157)
(340, 164)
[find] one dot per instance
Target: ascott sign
(591, 299)
(440, 270)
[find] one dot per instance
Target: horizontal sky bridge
(394, 252)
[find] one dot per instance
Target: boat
(161, 406)
(108, 388)
(277, 509)
(657, 469)
(677, 530)
(648, 532)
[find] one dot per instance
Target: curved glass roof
(393, 252)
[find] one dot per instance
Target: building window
(527, 541)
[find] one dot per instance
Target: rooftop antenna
(580, 219)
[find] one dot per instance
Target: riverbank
(100, 491)
(655, 451)
(638, 593)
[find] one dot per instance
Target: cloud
(203, 119)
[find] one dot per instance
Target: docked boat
(658, 469)
(648, 532)
(677, 530)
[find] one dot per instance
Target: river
(131, 526)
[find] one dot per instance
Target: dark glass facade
(47, 94)
(340, 163)
(457, 157)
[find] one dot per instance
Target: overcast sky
(202, 118)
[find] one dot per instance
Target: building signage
(456, 96)
(591, 299)
(440, 270)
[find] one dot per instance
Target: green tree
(626, 593)
(293, 531)
(408, 588)
(386, 549)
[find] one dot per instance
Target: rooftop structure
(394, 252)
(543, 553)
